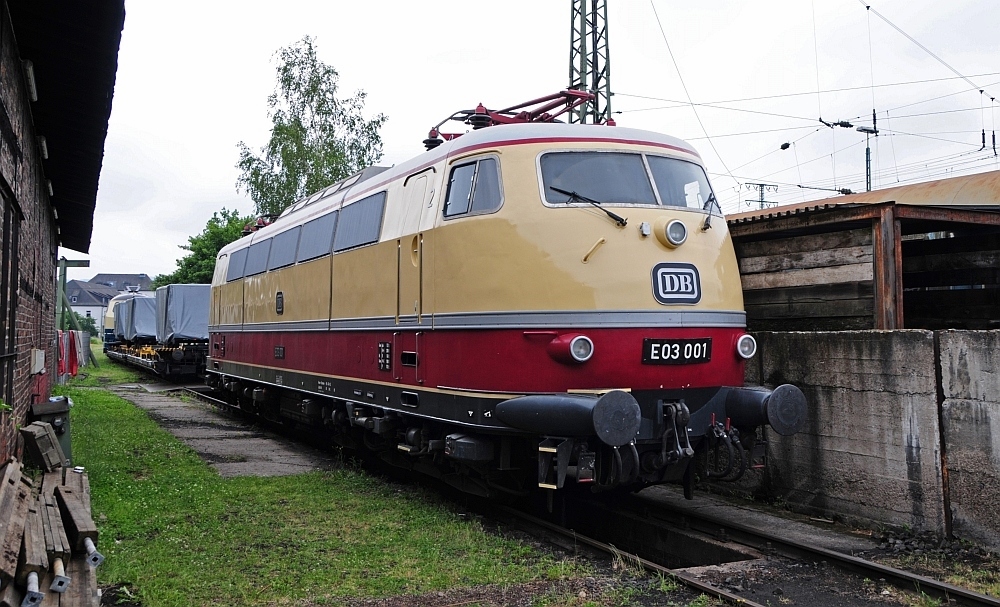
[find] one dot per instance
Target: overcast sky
(194, 76)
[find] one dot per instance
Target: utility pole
(762, 187)
(62, 305)
(589, 59)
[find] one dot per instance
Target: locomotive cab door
(409, 254)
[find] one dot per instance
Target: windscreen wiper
(618, 219)
(708, 207)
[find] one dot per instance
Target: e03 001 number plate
(676, 351)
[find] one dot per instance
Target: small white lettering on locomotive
(676, 283)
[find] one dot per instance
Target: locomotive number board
(676, 351)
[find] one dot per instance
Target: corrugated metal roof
(979, 190)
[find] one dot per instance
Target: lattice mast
(589, 60)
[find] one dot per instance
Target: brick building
(58, 61)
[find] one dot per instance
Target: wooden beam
(888, 270)
(803, 219)
(951, 215)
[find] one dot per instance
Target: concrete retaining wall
(870, 451)
(903, 428)
(970, 415)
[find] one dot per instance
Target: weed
(626, 563)
(703, 601)
(925, 601)
(666, 584)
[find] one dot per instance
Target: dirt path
(232, 446)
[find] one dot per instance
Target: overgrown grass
(109, 373)
(975, 572)
(175, 533)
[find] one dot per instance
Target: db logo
(676, 283)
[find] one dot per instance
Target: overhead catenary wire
(836, 90)
(922, 47)
(843, 162)
(684, 86)
(681, 104)
(690, 104)
(919, 171)
(871, 67)
(961, 92)
(951, 170)
(819, 102)
(790, 128)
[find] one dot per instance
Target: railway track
(770, 542)
(683, 578)
(204, 394)
(641, 523)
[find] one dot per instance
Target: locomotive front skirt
(526, 305)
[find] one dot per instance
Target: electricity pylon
(589, 61)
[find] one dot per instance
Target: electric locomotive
(530, 305)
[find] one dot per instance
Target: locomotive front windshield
(623, 179)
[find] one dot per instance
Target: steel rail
(684, 578)
(766, 542)
(205, 397)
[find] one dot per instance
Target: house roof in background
(89, 294)
(121, 281)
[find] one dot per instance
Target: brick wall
(22, 184)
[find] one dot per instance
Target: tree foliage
(86, 323)
(198, 266)
(316, 137)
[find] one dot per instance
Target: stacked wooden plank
(48, 540)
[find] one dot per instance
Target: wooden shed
(918, 256)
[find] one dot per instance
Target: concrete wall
(903, 428)
(970, 415)
(870, 450)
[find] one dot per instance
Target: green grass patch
(175, 533)
(108, 373)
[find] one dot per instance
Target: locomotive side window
(486, 194)
(608, 177)
(679, 183)
(460, 189)
(283, 249)
(257, 257)
(473, 188)
(317, 237)
(360, 223)
(236, 262)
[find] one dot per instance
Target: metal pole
(868, 164)
(62, 289)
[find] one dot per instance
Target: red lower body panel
(504, 360)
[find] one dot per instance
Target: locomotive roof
(373, 178)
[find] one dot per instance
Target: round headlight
(581, 348)
(746, 346)
(677, 233)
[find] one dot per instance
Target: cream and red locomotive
(528, 305)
